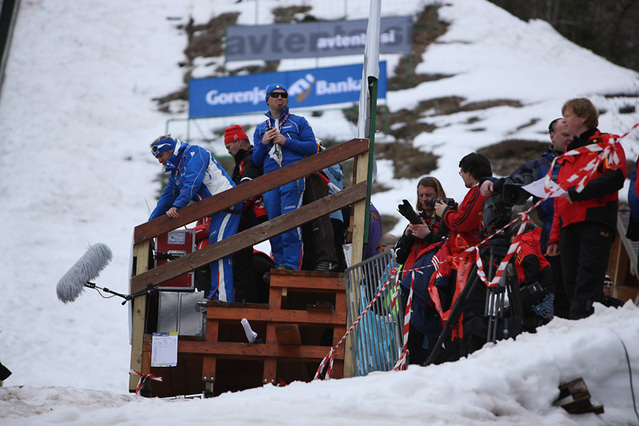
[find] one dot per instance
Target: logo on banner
(302, 87)
(220, 96)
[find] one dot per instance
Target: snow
(77, 114)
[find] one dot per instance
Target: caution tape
(606, 151)
(329, 358)
(401, 362)
(143, 378)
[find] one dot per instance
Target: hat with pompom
(273, 87)
(234, 133)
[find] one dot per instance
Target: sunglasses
(608, 283)
(276, 95)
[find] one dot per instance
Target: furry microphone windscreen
(87, 268)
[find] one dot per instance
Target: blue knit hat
(272, 87)
(162, 144)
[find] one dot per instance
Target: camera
(510, 188)
(406, 210)
(507, 192)
(531, 295)
(430, 202)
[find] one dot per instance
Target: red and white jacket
(598, 201)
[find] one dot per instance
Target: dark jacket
(545, 210)
(245, 171)
(410, 245)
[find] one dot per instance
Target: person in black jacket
(253, 212)
(560, 137)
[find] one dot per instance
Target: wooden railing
(145, 278)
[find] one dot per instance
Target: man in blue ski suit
(195, 175)
(283, 139)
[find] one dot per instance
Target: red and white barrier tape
(329, 358)
(143, 378)
(605, 154)
(401, 362)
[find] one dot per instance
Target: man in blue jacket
(560, 137)
(283, 139)
(195, 175)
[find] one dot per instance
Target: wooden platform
(305, 316)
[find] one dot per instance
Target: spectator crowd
(559, 267)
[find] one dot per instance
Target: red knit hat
(234, 133)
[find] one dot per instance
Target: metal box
(180, 312)
(172, 245)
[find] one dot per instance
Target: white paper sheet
(538, 190)
(164, 350)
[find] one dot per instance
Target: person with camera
(426, 230)
(585, 218)
(465, 225)
(537, 169)
(421, 239)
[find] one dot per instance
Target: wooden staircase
(305, 316)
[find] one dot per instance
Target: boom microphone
(87, 268)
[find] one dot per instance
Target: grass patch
(408, 162)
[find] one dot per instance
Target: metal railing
(376, 341)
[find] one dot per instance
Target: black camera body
(430, 202)
(507, 192)
(406, 210)
(531, 295)
(510, 188)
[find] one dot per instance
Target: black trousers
(319, 239)
(246, 285)
(585, 251)
(561, 303)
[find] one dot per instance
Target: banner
(223, 96)
(315, 39)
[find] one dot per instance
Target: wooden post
(360, 174)
(141, 253)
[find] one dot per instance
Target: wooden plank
(288, 334)
(209, 364)
(142, 254)
(270, 371)
(247, 238)
(257, 186)
(305, 280)
(281, 316)
(235, 350)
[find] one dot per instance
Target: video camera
(507, 192)
(510, 188)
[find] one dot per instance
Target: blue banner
(224, 96)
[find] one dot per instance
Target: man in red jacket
(465, 224)
(585, 218)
